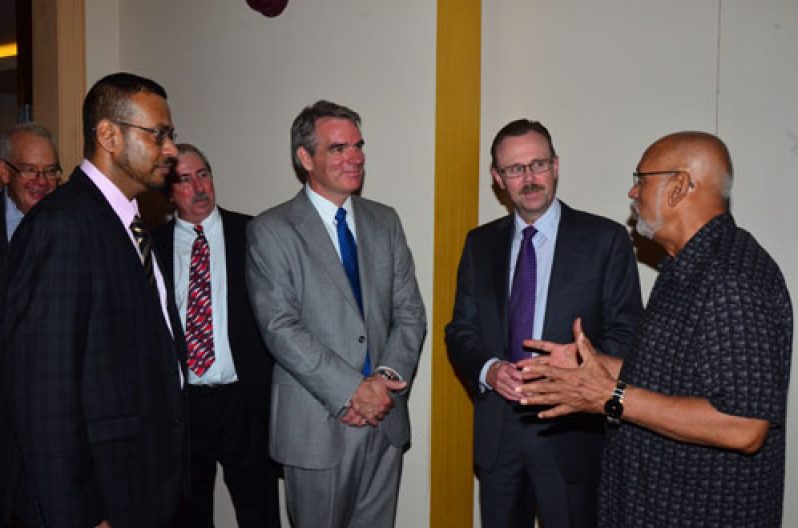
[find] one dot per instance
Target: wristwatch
(614, 406)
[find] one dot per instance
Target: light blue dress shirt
(544, 241)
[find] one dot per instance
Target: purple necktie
(522, 297)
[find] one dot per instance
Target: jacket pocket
(117, 428)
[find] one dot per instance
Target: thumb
(395, 385)
(583, 344)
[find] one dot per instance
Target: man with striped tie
(94, 347)
(229, 368)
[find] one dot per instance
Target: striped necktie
(199, 315)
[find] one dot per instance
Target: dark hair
(109, 98)
(303, 130)
(516, 128)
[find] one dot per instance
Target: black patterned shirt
(718, 325)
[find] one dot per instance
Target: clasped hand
(371, 402)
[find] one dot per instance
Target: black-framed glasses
(637, 176)
(536, 166)
(29, 172)
(159, 134)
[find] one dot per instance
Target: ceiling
(8, 32)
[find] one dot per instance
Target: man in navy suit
(29, 171)
(229, 401)
(574, 265)
(92, 368)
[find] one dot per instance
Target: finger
(545, 346)
(395, 385)
(556, 411)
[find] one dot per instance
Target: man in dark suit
(94, 348)
(334, 291)
(516, 282)
(229, 399)
(29, 171)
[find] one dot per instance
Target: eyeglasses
(536, 166)
(159, 134)
(28, 172)
(636, 176)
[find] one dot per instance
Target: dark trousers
(226, 429)
(527, 482)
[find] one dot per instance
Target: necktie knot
(340, 216)
(528, 233)
(199, 230)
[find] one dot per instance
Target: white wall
(608, 78)
(236, 80)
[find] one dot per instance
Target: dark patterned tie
(522, 297)
(199, 317)
(145, 250)
(346, 242)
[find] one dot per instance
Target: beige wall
(236, 80)
(607, 78)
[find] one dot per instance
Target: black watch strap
(613, 407)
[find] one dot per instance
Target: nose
(634, 192)
(356, 156)
(169, 148)
(197, 185)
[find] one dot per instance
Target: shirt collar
(13, 214)
(211, 222)
(546, 225)
(125, 209)
(327, 209)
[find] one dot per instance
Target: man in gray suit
(333, 288)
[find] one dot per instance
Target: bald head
(688, 182)
(703, 155)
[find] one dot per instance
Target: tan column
(59, 73)
(456, 208)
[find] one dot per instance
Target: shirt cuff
(483, 375)
(388, 373)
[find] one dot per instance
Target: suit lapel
(500, 273)
(319, 247)
(562, 267)
(365, 222)
(3, 238)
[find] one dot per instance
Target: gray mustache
(200, 197)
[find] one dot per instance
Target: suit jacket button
(361, 339)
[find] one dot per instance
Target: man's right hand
(504, 377)
(372, 399)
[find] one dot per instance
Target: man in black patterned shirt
(704, 389)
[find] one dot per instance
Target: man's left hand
(560, 383)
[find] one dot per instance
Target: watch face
(613, 408)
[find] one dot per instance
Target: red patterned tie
(199, 320)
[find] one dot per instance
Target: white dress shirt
(223, 369)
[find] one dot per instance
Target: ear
(497, 178)
(107, 135)
(679, 186)
(305, 158)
